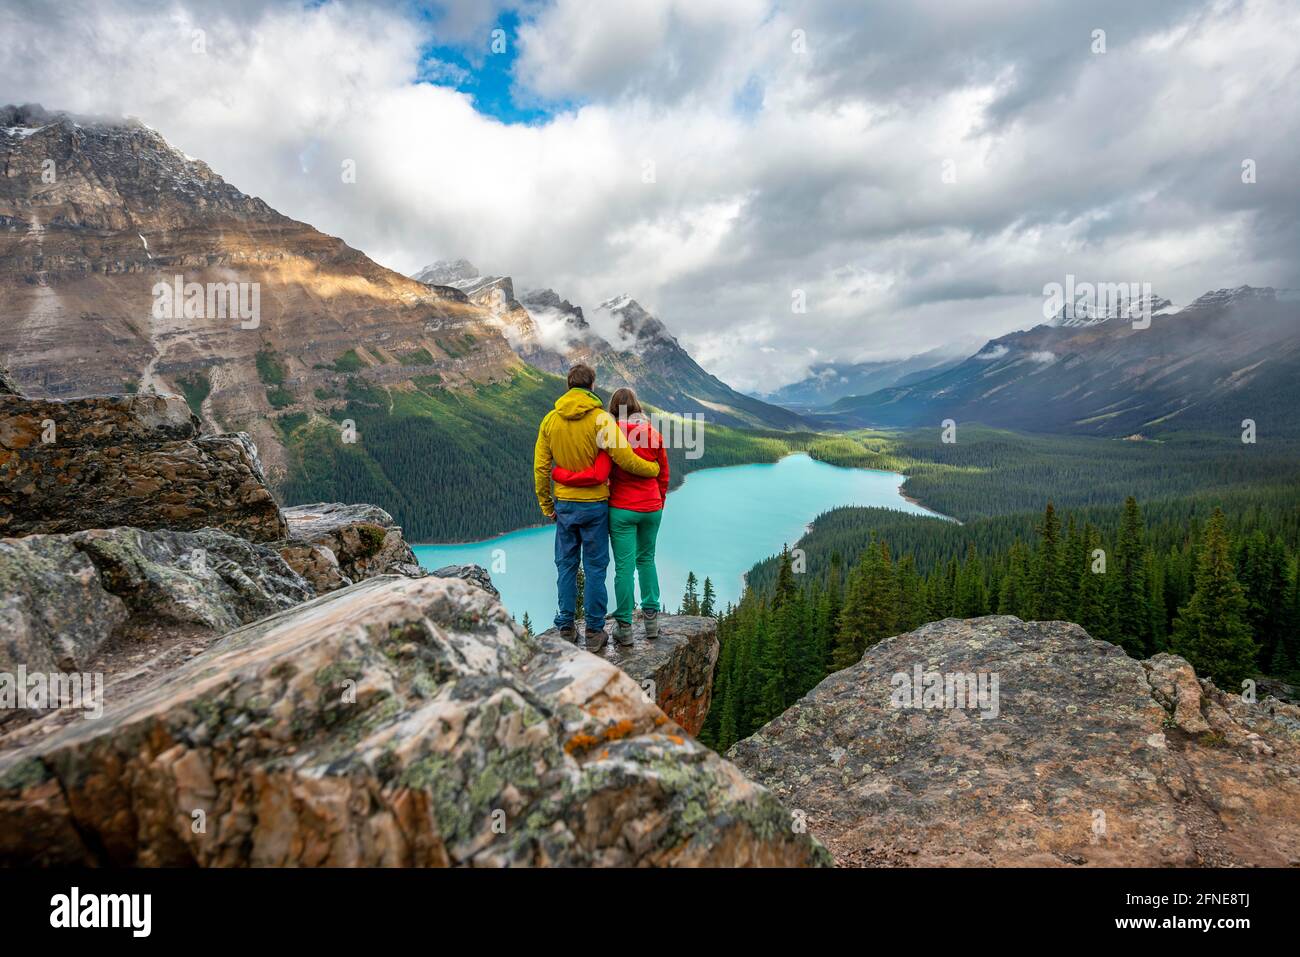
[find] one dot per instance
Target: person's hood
(576, 403)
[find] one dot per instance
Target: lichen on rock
(394, 722)
(1092, 757)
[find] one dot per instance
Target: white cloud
(773, 171)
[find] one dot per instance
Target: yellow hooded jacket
(571, 434)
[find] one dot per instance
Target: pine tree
(874, 600)
(1159, 630)
(709, 600)
(1048, 572)
(971, 600)
(1092, 611)
(1127, 572)
(1211, 631)
(527, 625)
(1073, 558)
(911, 596)
(830, 617)
(784, 579)
(1262, 571)
(1014, 594)
(854, 617)
(1286, 655)
(691, 600)
(1285, 662)
(793, 624)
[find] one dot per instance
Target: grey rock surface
(139, 460)
(676, 668)
(1092, 757)
(394, 722)
(364, 538)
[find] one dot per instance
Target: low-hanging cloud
(781, 184)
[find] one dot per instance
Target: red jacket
(626, 490)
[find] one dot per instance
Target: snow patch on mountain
(445, 272)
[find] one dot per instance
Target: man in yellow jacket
(570, 435)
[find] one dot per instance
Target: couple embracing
(610, 471)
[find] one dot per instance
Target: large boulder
(395, 722)
(104, 461)
(63, 597)
(364, 540)
(1083, 756)
(55, 612)
(676, 668)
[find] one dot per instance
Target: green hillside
(456, 465)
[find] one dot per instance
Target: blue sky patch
(477, 69)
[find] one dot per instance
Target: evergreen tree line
(1229, 603)
(457, 465)
(693, 603)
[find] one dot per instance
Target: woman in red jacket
(635, 507)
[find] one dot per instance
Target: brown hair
(624, 403)
(582, 376)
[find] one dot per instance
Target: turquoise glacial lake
(718, 523)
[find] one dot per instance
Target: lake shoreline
(713, 468)
(719, 527)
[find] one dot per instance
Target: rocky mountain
(1230, 355)
(638, 351)
(828, 382)
(288, 688)
(126, 265)
(1077, 755)
(315, 699)
(1090, 312)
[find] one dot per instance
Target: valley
(714, 525)
(1093, 471)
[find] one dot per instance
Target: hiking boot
(651, 619)
(597, 640)
(569, 633)
(623, 633)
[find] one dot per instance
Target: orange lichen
(660, 719)
(620, 730)
(676, 739)
(579, 742)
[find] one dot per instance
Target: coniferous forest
(1220, 591)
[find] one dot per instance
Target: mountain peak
(1092, 313)
(445, 272)
(1217, 298)
(637, 329)
(548, 300)
(112, 173)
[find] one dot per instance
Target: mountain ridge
(1224, 358)
(551, 333)
(97, 217)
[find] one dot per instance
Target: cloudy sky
(914, 171)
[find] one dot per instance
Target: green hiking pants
(632, 540)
